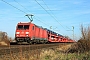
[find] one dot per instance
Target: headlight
(26, 35)
(17, 32)
(27, 32)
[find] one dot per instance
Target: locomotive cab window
(20, 27)
(23, 27)
(26, 26)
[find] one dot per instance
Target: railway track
(33, 46)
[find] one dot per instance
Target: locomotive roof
(28, 23)
(25, 23)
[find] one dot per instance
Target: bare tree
(88, 35)
(83, 32)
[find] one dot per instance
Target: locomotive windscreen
(23, 27)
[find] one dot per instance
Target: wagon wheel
(30, 42)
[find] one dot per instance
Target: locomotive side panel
(32, 31)
(45, 36)
(37, 32)
(37, 35)
(41, 35)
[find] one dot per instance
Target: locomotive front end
(22, 32)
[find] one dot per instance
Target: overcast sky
(60, 14)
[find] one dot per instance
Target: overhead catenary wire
(41, 21)
(30, 12)
(21, 5)
(49, 10)
(35, 17)
(14, 6)
(47, 7)
(52, 14)
(49, 13)
(22, 10)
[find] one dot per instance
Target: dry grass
(3, 43)
(55, 55)
(47, 54)
(64, 48)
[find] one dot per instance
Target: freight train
(31, 33)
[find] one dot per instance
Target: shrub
(83, 45)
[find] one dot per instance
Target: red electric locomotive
(31, 33)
